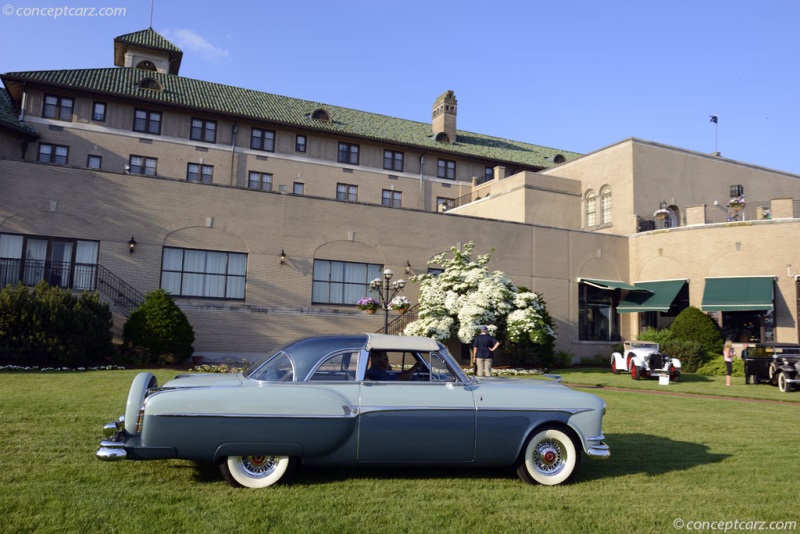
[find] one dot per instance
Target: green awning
(744, 293)
(660, 298)
(610, 284)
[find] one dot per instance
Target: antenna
(152, 7)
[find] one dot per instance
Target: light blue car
(365, 399)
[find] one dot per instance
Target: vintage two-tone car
(773, 363)
(366, 399)
(643, 359)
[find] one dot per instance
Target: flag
(714, 119)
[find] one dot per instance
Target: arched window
(149, 83)
(590, 203)
(146, 65)
(605, 205)
(321, 115)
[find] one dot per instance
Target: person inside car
(380, 369)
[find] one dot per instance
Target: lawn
(674, 458)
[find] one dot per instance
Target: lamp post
(386, 290)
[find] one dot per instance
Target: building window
(341, 282)
(348, 153)
(203, 130)
(392, 199)
(488, 174)
(262, 140)
(392, 160)
(99, 111)
(142, 165)
(203, 273)
(58, 107)
(260, 180)
(147, 121)
(590, 205)
(197, 172)
(60, 262)
(53, 154)
(598, 319)
(605, 205)
(94, 162)
(446, 169)
(443, 204)
(299, 188)
(300, 143)
(347, 192)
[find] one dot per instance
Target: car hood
(521, 392)
(205, 380)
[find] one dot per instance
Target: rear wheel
(254, 471)
(550, 457)
(614, 365)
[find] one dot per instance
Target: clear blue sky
(577, 75)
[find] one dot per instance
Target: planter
(736, 207)
(370, 311)
(401, 311)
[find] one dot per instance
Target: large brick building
(267, 216)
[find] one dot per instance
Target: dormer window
(321, 115)
(442, 138)
(150, 84)
(146, 65)
(559, 158)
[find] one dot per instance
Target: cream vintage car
(644, 359)
(320, 401)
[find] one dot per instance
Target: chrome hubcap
(548, 457)
(258, 466)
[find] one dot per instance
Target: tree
(161, 329)
(693, 325)
(467, 295)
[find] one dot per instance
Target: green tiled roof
(149, 39)
(8, 118)
(259, 106)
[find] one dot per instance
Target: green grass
(673, 457)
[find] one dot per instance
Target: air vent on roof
(559, 158)
(442, 138)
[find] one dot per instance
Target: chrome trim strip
(599, 452)
(111, 454)
(350, 415)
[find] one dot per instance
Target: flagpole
(715, 120)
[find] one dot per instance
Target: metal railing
(397, 325)
(75, 276)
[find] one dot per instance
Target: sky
(576, 75)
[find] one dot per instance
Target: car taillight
(140, 420)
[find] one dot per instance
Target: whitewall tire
(550, 457)
(254, 471)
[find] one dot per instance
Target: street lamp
(387, 290)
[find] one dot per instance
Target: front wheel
(783, 385)
(636, 373)
(550, 457)
(254, 471)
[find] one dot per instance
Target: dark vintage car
(364, 399)
(773, 363)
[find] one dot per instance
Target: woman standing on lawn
(727, 354)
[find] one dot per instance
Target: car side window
(278, 369)
(439, 370)
(340, 367)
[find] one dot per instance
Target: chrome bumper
(600, 451)
(112, 448)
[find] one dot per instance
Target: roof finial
(152, 7)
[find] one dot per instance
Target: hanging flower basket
(400, 304)
(737, 204)
(661, 214)
(367, 304)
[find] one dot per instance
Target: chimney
(444, 117)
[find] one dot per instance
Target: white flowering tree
(467, 295)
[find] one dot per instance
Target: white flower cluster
(44, 369)
(467, 295)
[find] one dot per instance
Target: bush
(693, 325)
(159, 330)
(689, 352)
(716, 367)
(49, 325)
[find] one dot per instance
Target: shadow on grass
(631, 454)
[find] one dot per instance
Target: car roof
(386, 342)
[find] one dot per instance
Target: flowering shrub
(466, 294)
(737, 203)
(400, 303)
(24, 368)
(367, 303)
